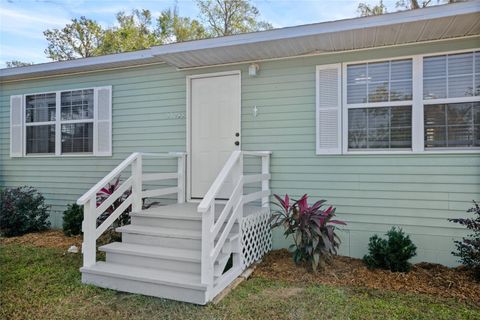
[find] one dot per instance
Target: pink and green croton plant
(312, 229)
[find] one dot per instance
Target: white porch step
(171, 216)
(156, 257)
(159, 236)
(167, 284)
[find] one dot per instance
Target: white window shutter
(103, 121)
(16, 126)
(329, 109)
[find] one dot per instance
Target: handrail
(134, 183)
(92, 192)
(118, 169)
(215, 187)
(216, 229)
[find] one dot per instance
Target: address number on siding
(176, 115)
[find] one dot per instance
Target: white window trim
(417, 103)
(58, 124)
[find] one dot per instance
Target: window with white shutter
(329, 108)
(103, 145)
(72, 122)
(16, 126)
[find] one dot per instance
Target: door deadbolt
(237, 134)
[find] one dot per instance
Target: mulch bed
(47, 239)
(425, 278)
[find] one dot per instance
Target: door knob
(237, 143)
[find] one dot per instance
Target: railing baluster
(265, 182)
(137, 184)
(181, 179)
(207, 264)
(89, 226)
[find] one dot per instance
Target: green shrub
(22, 210)
(72, 220)
(392, 253)
(468, 250)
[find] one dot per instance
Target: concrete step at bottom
(166, 284)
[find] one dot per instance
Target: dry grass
(39, 282)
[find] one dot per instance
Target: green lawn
(40, 283)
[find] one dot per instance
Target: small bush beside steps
(22, 210)
(392, 253)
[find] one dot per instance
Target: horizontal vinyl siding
(371, 192)
(143, 100)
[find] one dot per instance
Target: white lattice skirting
(256, 237)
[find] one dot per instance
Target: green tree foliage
(135, 31)
(17, 63)
(171, 27)
(140, 29)
(365, 9)
(371, 10)
(78, 39)
(227, 17)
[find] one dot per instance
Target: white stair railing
(215, 231)
(92, 211)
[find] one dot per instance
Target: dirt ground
(426, 278)
(47, 239)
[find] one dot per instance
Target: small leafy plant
(312, 229)
(22, 210)
(72, 220)
(392, 253)
(468, 250)
(103, 195)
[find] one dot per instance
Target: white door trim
(189, 79)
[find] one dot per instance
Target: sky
(22, 22)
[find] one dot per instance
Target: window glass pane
(401, 90)
(460, 86)
(378, 138)
(460, 64)
(357, 118)
(40, 108)
(378, 118)
(401, 137)
(379, 81)
(377, 92)
(357, 74)
(357, 93)
(434, 67)
(435, 115)
(76, 105)
(451, 125)
(449, 76)
(378, 71)
(357, 139)
(435, 137)
(382, 128)
(40, 139)
(477, 84)
(77, 137)
(459, 136)
(435, 88)
(476, 134)
(401, 70)
(459, 113)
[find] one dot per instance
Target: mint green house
(379, 115)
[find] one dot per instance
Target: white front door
(215, 129)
